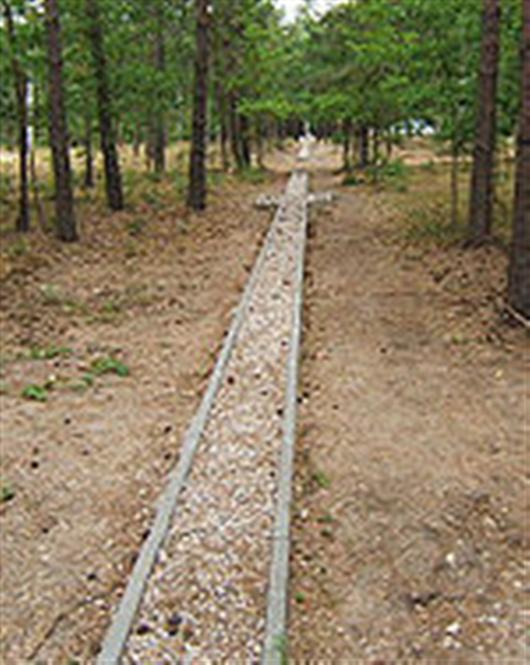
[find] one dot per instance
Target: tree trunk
(21, 84)
(197, 175)
(223, 122)
(159, 142)
(64, 200)
(106, 126)
(346, 145)
(235, 131)
(364, 143)
(244, 138)
(455, 154)
(88, 180)
(482, 179)
(519, 270)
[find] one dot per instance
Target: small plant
(88, 379)
(325, 519)
(7, 493)
(135, 227)
(36, 393)
(299, 597)
(109, 365)
(49, 353)
(321, 480)
(18, 248)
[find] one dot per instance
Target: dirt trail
(411, 539)
(87, 465)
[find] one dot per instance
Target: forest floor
(147, 294)
(410, 525)
(411, 537)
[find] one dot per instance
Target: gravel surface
(206, 598)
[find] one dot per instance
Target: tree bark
(159, 143)
(20, 79)
(519, 269)
(88, 180)
(346, 145)
(455, 155)
(197, 175)
(235, 131)
(364, 146)
(64, 200)
(482, 179)
(106, 125)
(223, 122)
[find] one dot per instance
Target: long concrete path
(210, 582)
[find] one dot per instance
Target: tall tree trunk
(88, 180)
(159, 142)
(482, 179)
(64, 200)
(197, 175)
(223, 122)
(455, 155)
(346, 145)
(235, 131)
(21, 85)
(244, 138)
(106, 126)
(519, 270)
(364, 146)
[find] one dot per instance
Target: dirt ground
(151, 289)
(411, 536)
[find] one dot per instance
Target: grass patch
(321, 480)
(253, 176)
(35, 393)
(7, 493)
(50, 352)
(109, 365)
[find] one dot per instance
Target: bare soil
(411, 536)
(153, 289)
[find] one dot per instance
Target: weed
(109, 365)
(321, 480)
(135, 227)
(253, 176)
(280, 646)
(7, 493)
(50, 352)
(299, 597)
(51, 295)
(325, 519)
(35, 392)
(88, 379)
(18, 248)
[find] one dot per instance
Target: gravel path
(206, 597)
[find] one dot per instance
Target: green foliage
(36, 393)
(110, 365)
(321, 480)
(7, 493)
(50, 352)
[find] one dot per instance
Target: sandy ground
(411, 539)
(87, 465)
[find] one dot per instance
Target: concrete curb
(275, 644)
(116, 636)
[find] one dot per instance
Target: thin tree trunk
(455, 155)
(519, 269)
(21, 84)
(33, 130)
(223, 122)
(364, 141)
(159, 143)
(106, 126)
(245, 141)
(64, 200)
(346, 145)
(482, 179)
(197, 175)
(88, 179)
(235, 132)
(259, 130)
